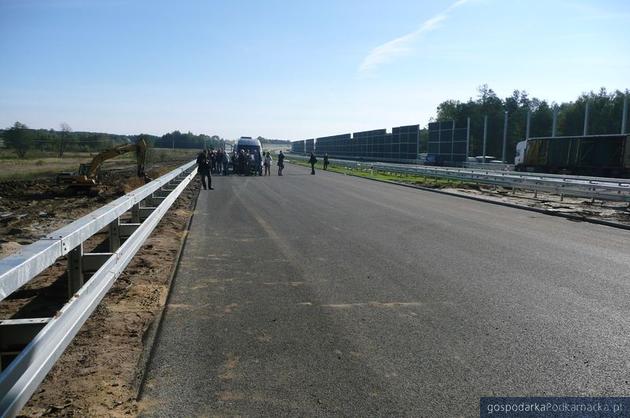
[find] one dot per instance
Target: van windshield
(249, 148)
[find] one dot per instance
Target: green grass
(389, 176)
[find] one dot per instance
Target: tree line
(605, 110)
(274, 141)
(21, 139)
(605, 116)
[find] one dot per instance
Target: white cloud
(395, 48)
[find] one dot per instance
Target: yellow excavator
(88, 175)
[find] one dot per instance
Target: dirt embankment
(30, 209)
(97, 374)
(617, 212)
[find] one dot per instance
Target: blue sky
(294, 69)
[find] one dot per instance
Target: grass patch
(433, 182)
(49, 165)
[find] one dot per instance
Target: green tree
(19, 138)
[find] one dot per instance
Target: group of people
(218, 161)
(243, 163)
(313, 160)
(268, 162)
(246, 162)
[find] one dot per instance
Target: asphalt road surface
(330, 295)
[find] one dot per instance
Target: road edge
(569, 216)
(150, 335)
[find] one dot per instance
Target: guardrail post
(135, 213)
(15, 334)
(75, 269)
(114, 235)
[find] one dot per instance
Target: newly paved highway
(329, 295)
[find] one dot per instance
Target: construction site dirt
(97, 374)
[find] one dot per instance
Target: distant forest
(21, 139)
(605, 110)
(274, 141)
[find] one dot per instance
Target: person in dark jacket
(312, 161)
(241, 162)
(203, 168)
(326, 161)
(280, 163)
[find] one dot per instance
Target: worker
(241, 162)
(203, 168)
(326, 161)
(312, 161)
(280, 163)
(218, 162)
(267, 163)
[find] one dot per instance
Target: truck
(588, 155)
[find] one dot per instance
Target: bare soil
(97, 374)
(618, 212)
(30, 209)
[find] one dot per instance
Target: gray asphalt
(330, 295)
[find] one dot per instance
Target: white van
(253, 146)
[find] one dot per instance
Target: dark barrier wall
(310, 146)
(377, 145)
(297, 147)
(447, 143)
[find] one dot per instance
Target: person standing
(241, 162)
(326, 161)
(225, 161)
(212, 158)
(280, 163)
(312, 161)
(203, 168)
(267, 164)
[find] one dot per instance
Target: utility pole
(485, 136)
(554, 125)
(529, 121)
(417, 146)
(452, 141)
(586, 115)
(505, 124)
(624, 116)
(467, 137)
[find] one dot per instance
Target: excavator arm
(88, 173)
(140, 149)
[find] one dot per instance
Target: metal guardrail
(41, 341)
(576, 186)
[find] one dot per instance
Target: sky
(294, 69)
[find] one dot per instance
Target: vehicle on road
(251, 146)
(590, 155)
